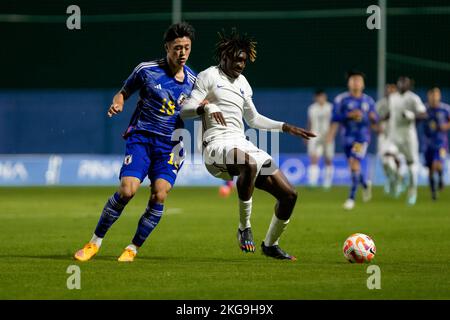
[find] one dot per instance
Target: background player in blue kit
(436, 126)
(163, 86)
(355, 112)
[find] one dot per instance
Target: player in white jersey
(404, 108)
(228, 153)
(319, 118)
(387, 151)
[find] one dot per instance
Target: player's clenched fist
(115, 109)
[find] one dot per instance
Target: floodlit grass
(193, 253)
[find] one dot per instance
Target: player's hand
(114, 109)
(296, 131)
(218, 116)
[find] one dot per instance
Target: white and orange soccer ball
(359, 248)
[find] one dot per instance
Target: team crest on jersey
(128, 159)
(365, 106)
(181, 99)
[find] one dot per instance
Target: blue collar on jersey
(168, 71)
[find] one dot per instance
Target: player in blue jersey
(355, 112)
(436, 126)
(163, 86)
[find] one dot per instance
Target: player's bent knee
(159, 196)
(127, 193)
(292, 196)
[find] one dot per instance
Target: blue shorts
(356, 150)
(152, 155)
(433, 154)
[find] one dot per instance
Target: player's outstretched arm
(117, 103)
(296, 131)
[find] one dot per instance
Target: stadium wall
(103, 170)
(75, 121)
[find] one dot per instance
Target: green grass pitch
(193, 253)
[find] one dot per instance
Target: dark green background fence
(300, 43)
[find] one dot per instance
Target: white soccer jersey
(400, 127)
(382, 108)
(233, 97)
(319, 118)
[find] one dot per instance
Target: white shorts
(386, 146)
(409, 148)
(318, 147)
(215, 153)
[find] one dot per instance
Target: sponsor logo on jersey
(158, 86)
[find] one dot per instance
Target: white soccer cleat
(367, 192)
(412, 197)
(327, 184)
(349, 204)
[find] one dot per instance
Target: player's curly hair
(234, 43)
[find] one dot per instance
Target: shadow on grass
(181, 259)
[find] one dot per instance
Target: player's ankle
(133, 248)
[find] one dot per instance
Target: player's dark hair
(355, 72)
(231, 45)
(433, 88)
(319, 92)
(179, 30)
(412, 82)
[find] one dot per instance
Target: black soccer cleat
(276, 252)
(245, 240)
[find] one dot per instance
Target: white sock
(390, 168)
(329, 172)
(413, 171)
(276, 228)
(245, 211)
(132, 247)
(313, 174)
(96, 240)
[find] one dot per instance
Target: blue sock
(354, 187)
(111, 212)
(147, 223)
(362, 180)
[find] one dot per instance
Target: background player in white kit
(387, 151)
(404, 108)
(228, 153)
(319, 118)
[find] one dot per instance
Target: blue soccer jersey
(434, 136)
(355, 132)
(150, 150)
(160, 97)
(436, 140)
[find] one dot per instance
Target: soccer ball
(359, 248)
